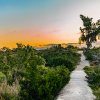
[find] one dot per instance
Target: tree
(90, 31)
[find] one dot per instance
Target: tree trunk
(88, 43)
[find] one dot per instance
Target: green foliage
(45, 84)
(89, 55)
(59, 56)
(90, 30)
(14, 64)
(94, 79)
(93, 72)
(92, 54)
(2, 77)
(24, 74)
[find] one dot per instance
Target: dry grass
(9, 92)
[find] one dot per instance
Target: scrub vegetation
(29, 74)
(93, 72)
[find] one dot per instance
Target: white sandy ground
(77, 88)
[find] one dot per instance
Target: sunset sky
(37, 22)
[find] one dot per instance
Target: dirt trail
(77, 88)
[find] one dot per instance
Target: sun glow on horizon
(37, 40)
(43, 22)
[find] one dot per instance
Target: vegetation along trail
(77, 88)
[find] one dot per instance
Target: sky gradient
(37, 22)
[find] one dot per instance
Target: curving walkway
(77, 88)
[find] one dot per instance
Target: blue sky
(51, 21)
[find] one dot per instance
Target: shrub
(94, 79)
(46, 83)
(63, 56)
(92, 54)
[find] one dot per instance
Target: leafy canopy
(89, 31)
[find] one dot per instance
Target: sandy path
(77, 88)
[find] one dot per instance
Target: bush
(46, 83)
(94, 79)
(63, 56)
(92, 54)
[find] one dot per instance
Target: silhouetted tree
(89, 31)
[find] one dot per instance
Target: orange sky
(35, 39)
(39, 22)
